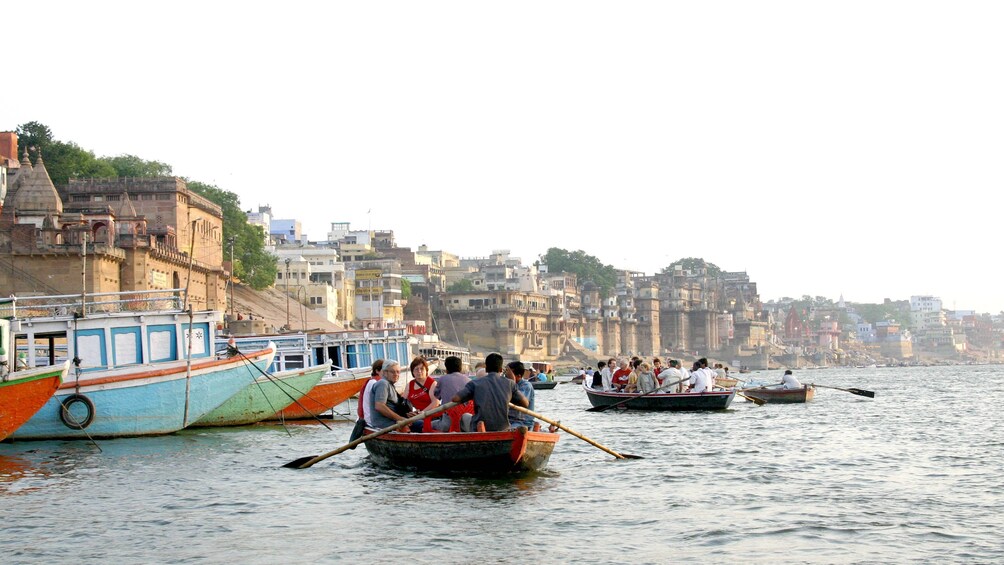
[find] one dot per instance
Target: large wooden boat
(333, 389)
(513, 451)
(782, 395)
(265, 396)
(146, 365)
(673, 402)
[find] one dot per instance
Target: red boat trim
(162, 372)
(464, 437)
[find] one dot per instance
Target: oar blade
(861, 392)
(298, 463)
(599, 408)
(629, 456)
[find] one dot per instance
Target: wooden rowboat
(537, 385)
(512, 451)
(265, 396)
(675, 402)
(726, 382)
(782, 395)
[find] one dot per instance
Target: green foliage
(252, 264)
(585, 266)
(33, 135)
(405, 289)
(133, 166)
(886, 312)
(463, 285)
(692, 264)
(68, 160)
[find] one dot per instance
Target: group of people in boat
(483, 402)
(639, 376)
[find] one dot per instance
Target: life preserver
(68, 419)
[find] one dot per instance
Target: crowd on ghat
(483, 403)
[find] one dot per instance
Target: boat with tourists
(778, 395)
(142, 361)
(660, 401)
(265, 397)
(512, 451)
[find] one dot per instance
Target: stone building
(138, 234)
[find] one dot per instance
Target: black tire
(68, 420)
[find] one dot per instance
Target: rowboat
(23, 393)
(144, 364)
(546, 385)
(782, 395)
(726, 382)
(264, 397)
(333, 389)
(674, 402)
(512, 451)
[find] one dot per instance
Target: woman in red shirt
(421, 390)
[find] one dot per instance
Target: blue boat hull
(146, 400)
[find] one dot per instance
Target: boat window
(162, 343)
(90, 349)
(293, 362)
(126, 347)
(378, 351)
(200, 340)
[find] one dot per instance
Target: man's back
(491, 394)
(449, 385)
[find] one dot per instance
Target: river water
(914, 475)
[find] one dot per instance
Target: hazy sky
(851, 148)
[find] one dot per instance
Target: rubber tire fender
(68, 420)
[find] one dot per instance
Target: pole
(83, 274)
(231, 278)
(287, 294)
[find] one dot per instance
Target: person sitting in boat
(446, 387)
(421, 392)
(515, 372)
(479, 370)
(608, 374)
(701, 379)
(492, 394)
(672, 374)
(362, 408)
(789, 381)
(619, 380)
(646, 379)
(597, 382)
(657, 367)
(383, 396)
(534, 376)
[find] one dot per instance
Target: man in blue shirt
(492, 394)
(515, 372)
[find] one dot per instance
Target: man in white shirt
(671, 375)
(789, 381)
(607, 374)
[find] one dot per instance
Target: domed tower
(36, 197)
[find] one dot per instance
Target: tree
(693, 264)
(33, 135)
(68, 160)
(133, 166)
(585, 266)
(463, 285)
(252, 264)
(405, 289)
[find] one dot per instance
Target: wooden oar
(857, 391)
(609, 406)
(304, 462)
(753, 399)
(575, 433)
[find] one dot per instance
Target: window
(163, 197)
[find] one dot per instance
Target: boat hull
(141, 400)
(264, 397)
(782, 396)
(330, 392)
(513, 451)
(668, 402)
(538, 385)
(24, 394)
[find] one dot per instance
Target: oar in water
(753, 399)
(857, 391)
(609, 406)
(574, 433)
(304, 462)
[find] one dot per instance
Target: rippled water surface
(914, 475)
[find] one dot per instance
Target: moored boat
(512, 451)
(782, 395)
(264, 397)
(23, 393)
(673, 402)
(143, 364)
(333, 389)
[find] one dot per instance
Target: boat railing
(94, 303)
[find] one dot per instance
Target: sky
(825, 148)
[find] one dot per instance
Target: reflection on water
(911, 475)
